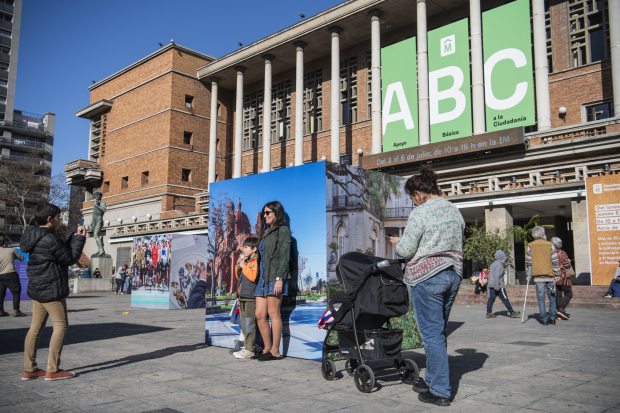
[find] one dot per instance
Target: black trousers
(480, 288)
(10, 281)
(563, 295)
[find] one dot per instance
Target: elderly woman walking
(564, 287)
(433, 240)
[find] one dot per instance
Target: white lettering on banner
(519, 60)
(453, 93)
(447, 45)
(608, 214)
(404, 114)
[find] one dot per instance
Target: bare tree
(301, 266)
(60, 195)
(22, 186)
(221, 240)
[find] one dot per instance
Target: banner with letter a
(399, 79)
(449, 83)
(508, 79)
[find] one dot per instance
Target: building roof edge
(149, 57)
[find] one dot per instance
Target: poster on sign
(603, 200)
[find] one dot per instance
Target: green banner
(449, 83)
(399, 89)
(508, 77)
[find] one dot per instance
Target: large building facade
(26, 139)
(312, 91)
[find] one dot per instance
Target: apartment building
(26, 139)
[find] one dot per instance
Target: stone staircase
(583, 297)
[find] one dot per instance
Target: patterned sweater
(433, 240)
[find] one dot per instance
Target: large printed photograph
(234, 215)
(150, 271)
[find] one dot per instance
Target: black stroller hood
(352, 266)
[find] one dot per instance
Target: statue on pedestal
(97, 223)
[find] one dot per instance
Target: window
(369, 84)
(588, 27)
(5, 50)
(549, 36)
(313, 101)
(345, 160)
(252, 120)
(219, 110)
(187, 138)
(145, 177)
(4, 83)
(124, 182)
(4, 67)
(5, 33)
(106, 187)
(3, 100)
(189, 101)
(6, 17)
(600, 111)
(348, 90)
(281, 111)
(186, 175)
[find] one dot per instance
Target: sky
(64, 45)
(301, 190)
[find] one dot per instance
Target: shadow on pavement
(138, 358)
(468, 361)
(453, 326)
(13, 340)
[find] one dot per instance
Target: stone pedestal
(103, 263)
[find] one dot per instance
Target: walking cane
(525, 302)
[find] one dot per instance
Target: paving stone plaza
(156, 361)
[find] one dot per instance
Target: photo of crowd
(151, 263)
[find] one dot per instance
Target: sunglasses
(267, 213)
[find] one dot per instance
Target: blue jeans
(540, 295)
(501, 293)
(432, 302)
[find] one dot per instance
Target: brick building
(576, 133)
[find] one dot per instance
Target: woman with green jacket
(274, 276)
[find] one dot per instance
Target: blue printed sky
(301, 190)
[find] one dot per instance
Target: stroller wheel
(410, 373)
(328, 369)
(364, 379)
(350, 366)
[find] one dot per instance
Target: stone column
(238, 122)
(477, 65)
(424, 128)
(614, 39)
(501, 218)
(581, 240)
(543, 104)
(335, 95)
(299, 104)
(267, 114)
(213, 129)
(375, 21)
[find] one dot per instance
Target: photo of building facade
(177, 120)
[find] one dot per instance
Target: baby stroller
(376, 293)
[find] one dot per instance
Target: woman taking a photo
(274, 255)
(433, 241)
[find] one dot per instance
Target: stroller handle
(387, 263)
(339, 313)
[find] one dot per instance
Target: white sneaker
(244, 354)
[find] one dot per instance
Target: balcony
(26, 160)
(23, 125)
(187, 223)
(398, 212)
(12, 229)
(22, 143)
(83, 172)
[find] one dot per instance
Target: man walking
(543, 265)
(497, 287)
(9, 278)
(48, 286)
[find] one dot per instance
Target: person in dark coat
(48, 287)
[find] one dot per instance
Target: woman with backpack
(274, 254)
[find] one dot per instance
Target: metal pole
(525, 302)
(376, 79)
(543, 103)
(477, 74)
(423, 110)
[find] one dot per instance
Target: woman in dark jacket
(274, 276)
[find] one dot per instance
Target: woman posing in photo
(274, 254)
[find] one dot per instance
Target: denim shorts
(264, 289)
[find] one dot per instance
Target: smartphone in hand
(391, 235)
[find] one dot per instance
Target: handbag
(570, 272)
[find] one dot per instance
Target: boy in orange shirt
(247, 271)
